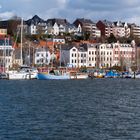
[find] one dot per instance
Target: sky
(113, 10)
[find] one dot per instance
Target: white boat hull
(22, 76)
(79, 76)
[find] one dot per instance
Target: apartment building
(100, 55)
(135, 30)
(106, 27)
(118, 29)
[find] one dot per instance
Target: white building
(55, 29)
(75, 57)
(32, 29)
(6, 53)
(42, 56)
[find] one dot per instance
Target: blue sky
(124, 10)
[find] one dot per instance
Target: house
(42, 56)
(74, 56)
(57, 26)
(87, 26)
(36, 25)
(71, 29)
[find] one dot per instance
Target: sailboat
(24, 72)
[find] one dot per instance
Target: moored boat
(24, 72)
(112, 74)
(77, 75)
(53, 74)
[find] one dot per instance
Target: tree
(86, 35)
(112, 39)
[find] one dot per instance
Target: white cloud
(7, 15)
(72, 9)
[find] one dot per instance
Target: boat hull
(22, 76)
(79, 76)
(46, 76)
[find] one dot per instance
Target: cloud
(6, 15)
(71, 9)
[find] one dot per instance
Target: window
(89, 52)
(72, 60)
(72, 55)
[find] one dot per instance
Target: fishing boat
(53, 74)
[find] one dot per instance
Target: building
(135, 30)
(106, 27)
(36, 25)
(6, 53)
(57, 26)
(100, 55)
(118, 29)
(87, 26)
(42, 56)
(74, 56)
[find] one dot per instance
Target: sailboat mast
(60, 56)
(21, 42)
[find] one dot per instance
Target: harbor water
(97, 109)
